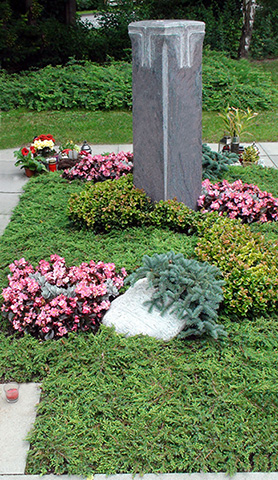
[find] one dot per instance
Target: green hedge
(77, 85)
(106, 87)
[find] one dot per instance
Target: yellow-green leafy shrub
(174, 215)
(113, 204)
(248, 262)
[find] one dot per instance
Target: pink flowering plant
(51, 300)
(101, 167)
(238, 200)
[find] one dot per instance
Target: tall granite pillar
(167, 108)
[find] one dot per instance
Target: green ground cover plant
(184, 406)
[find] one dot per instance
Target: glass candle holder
(11, 392)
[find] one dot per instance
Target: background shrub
(265, 34)
(78, 85)
(88, 4)
(107, 87)
(237, 83)
(249, 264)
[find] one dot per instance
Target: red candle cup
(11, 392)
(52, 164)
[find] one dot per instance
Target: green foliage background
(89, 86)
(40, 38)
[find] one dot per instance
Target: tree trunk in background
(70, 12)
(249, 9)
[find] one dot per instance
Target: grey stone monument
(167, 108)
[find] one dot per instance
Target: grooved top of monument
(181, 36)
(165, 25)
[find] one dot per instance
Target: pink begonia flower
(24, 299)
(44, 267)
(16, 325)
(62, 331)
(105, 304)
(263, 218)
(86, 308)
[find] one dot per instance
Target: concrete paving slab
(151, 476)
(99, 149)
(266, 161)
(16, 421)
(274, 159)
(7, 155)
(8, 167)
(4, 220)
(8, 202)
(213, 146)
(270, 148)
(12, 182)
(128, 147)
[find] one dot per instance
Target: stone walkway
(16, 419)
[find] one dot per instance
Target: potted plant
(250, 156)
(30, 163)
(43, 145)
(235, 122)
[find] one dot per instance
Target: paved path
(16, 419)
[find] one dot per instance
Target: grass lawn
(115, 127)
(118, 405)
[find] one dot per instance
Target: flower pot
(29, 173)
(235, 145)
(247, 164)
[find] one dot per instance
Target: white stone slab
(129, 315)
(16, 421)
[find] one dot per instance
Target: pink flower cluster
(239, 200)
(100, 168)
(91, 287)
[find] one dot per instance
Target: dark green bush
(113, 204)
(237, 83)
(265, 34)
(248, 262)
(88, 4)
(90, 86)
(77, 85)
(48, 41)
(175, 216)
